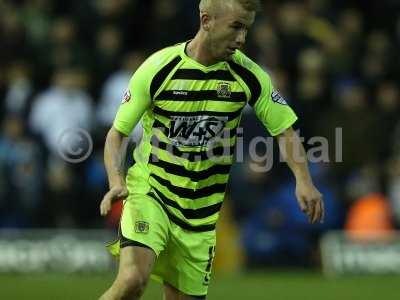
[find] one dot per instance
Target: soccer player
(189, 97)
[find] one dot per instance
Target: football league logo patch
(127, 96)
(277, 98)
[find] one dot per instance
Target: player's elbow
(115, 135)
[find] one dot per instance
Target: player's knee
(132, 283)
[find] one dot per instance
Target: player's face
(228, 30)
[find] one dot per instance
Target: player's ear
(205, 21)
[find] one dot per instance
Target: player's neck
(197, 49)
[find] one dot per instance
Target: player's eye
(236, 26)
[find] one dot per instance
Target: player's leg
(143, 236)
(135, 266)
(171, 293)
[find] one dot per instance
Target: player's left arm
(309, 198)
(278, 118)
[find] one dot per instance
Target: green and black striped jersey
(190, 115)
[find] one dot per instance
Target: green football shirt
(190, 115)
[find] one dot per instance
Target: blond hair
(212, 5)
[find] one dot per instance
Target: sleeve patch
(277, 98)
(127, 96)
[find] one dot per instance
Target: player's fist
(114, 194)
(310, 201)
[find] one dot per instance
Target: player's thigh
(135, 265)
(171, 293)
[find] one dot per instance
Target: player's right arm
(136, 101)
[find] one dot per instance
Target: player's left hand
(310, 201)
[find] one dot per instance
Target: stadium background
(65, 64)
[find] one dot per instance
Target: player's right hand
(114, 194)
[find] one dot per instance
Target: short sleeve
(271, 108)
(135, 101)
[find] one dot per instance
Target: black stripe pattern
(180, 223)
(211, 95)
(190, 193)
(160, 77)
(166, 113)
(193, 156)
(195, 74)
(188, 213)
(250, 79)
(195, 176)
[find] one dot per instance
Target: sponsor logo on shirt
(277, 98)
(195, 131)
(127, 96)
(184, 93)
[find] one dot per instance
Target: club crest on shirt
(277, 98)
(224, 90)
(127, 96)
(141, 227)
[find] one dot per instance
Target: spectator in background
(19, 89)
(360, 128)
(277, 233)
(37, 18)
(114, 87)
(108, 51)
(377, 59)
(388, 110)
(166, 12)
(20, 175)
(393, 186)
(12, 35)
(311, 87)
(65, 47)
(64, 105)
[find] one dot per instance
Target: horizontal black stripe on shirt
(195, 74)
(166, 113)
(190, 193)
(193, 156)
(188, 213)
(192, 175)
(179, 222)
(181, 95)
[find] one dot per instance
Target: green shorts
(184, 258)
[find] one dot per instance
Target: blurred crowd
(66, 64)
